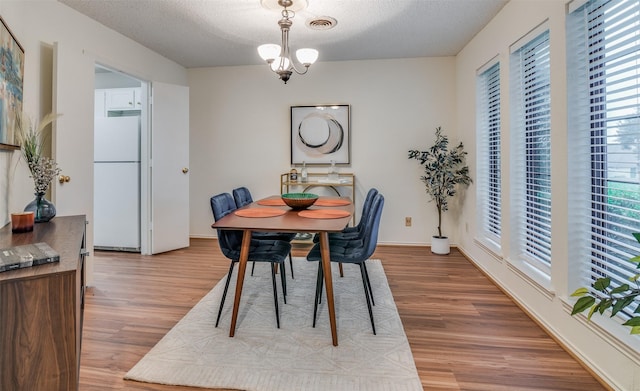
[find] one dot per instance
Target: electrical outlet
(407, 221)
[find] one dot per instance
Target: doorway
(120, 112)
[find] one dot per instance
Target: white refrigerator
(117, 183)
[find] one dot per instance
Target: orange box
(22, 222)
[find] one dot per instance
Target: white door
(169, 167)
(72, 138)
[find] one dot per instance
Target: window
(603, 60)
(489, 186)
(531, 150)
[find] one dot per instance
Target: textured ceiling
(206, 33)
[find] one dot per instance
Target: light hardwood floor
(465, 334)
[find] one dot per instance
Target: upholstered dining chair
(242, 197)
(356, 231)
(356, 250)
(230, 241)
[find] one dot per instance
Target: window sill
(533, 276)
(610, 330)
(491, 247)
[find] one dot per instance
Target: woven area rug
(296, 356)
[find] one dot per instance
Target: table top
(288, 222)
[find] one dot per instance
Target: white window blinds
(531, 152)
(489, 176)
(603, 61)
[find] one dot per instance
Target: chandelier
(279, 56)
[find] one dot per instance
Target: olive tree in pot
(444, 170)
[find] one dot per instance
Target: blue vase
(43, 210)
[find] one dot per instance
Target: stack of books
(27, 255)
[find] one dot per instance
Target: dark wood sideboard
(41, 310)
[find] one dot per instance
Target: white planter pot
(440, 245)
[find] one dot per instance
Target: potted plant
(604, 297)
(444, 170)
(31, 139)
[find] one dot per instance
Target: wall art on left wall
(11, 82)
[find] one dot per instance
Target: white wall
(37, 26)
(240, 132)
(612, 354)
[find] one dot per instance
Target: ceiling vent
(322, 23)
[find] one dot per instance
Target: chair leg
(224, 293)
(366, 293)
(340, 267)
(321, 282)
(291, 264)
(283, 280)
(366, 273)
(253, 267)
(275, 292)
(318, 293)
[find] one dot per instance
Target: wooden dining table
(337, 213)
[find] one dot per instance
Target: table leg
(328, 283)
(242, 266)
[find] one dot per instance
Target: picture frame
(321, 134)
(11, 83)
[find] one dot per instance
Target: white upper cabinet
(123, 99)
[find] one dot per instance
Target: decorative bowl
(299, 201)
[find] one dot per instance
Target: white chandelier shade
(280, 63)
(307, 56)
(269, 51)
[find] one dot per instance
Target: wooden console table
(41, 309)
(316, 179)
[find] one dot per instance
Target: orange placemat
(259, 212)
(324, 213)
(332, 202)
(272, 202)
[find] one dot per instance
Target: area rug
(296, 356)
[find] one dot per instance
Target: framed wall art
(320, 134)
(11, 82)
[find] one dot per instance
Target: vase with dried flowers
(31, 138)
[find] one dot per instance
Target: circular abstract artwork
(321, 132)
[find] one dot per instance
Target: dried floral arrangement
(31, 138)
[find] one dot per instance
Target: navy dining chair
(356, 231)
(230, 241)
(242, 197)
(356, 250)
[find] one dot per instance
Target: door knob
(185, 170)
(64, 178)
